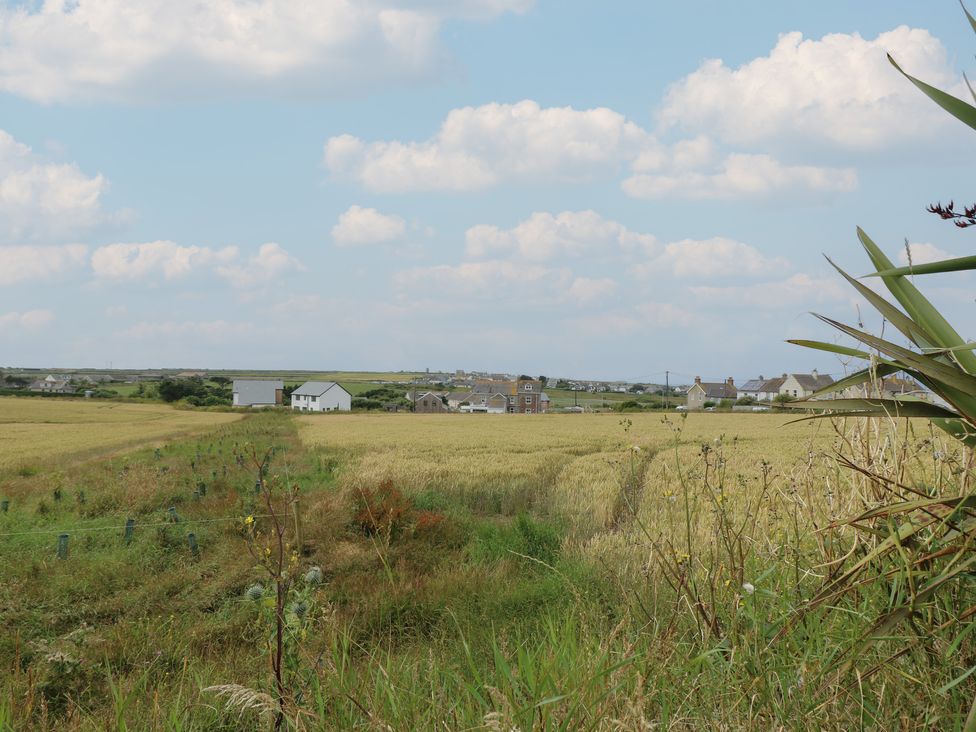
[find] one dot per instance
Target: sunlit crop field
(49, 430)
(574, 463)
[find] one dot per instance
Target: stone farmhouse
(258, 392)
(321, 396)
(704, 391)
(521, 396)
(429, 403)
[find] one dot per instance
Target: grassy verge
(440, 609)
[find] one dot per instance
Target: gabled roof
(755, 385)
(722, 390)
(811, 382)
(314, 388)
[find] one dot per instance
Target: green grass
(458, 619)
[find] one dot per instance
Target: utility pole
(667, 390)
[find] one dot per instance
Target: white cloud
(136, 261)
(36, 263)
(838, 90)
(544, 236)
(40, 200)
(362, 226)
(798, 290)
(708, 258)
(27, 320)
(922, 253)
(586, 290)
(268, 264)
(154, 49)
(478, 147)
(741, 176)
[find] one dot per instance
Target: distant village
(467, 391)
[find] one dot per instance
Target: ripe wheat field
(36, 432)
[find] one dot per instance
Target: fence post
(172, 515)
(191, 539)
(63, 546)
(5, 505)
(130, 527)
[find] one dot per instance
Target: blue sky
(597, 190)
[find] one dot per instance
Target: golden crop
(574, 462)
(618, 479)
(51, 430)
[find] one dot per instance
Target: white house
(802, 386)
(321, 396)
(258, 392)
(52, 385)
(762, 389)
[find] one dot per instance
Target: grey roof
(811, 382)
(753, 385)
(714, 390)
(314, 388)
(766, 385)
(256, 391)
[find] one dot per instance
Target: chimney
(698, 379)
(814, 373)
(761, 377)
(729, 381)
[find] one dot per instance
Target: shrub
(382, 510)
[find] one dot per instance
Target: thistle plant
(285, 605)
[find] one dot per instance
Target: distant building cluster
(488, 396)
(788, 387)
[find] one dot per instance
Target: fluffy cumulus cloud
(360, 226)
(709, 258)
(59, 51)
(922, 253)
(172, 261)
(479, 147)
(839, 90)
(27, 320)
(741, 175)
(270, 262)
(544, 236)
(137, 261)
(39, 263)
(42, 200)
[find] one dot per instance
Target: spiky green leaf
(958, 264)
(959, 109)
